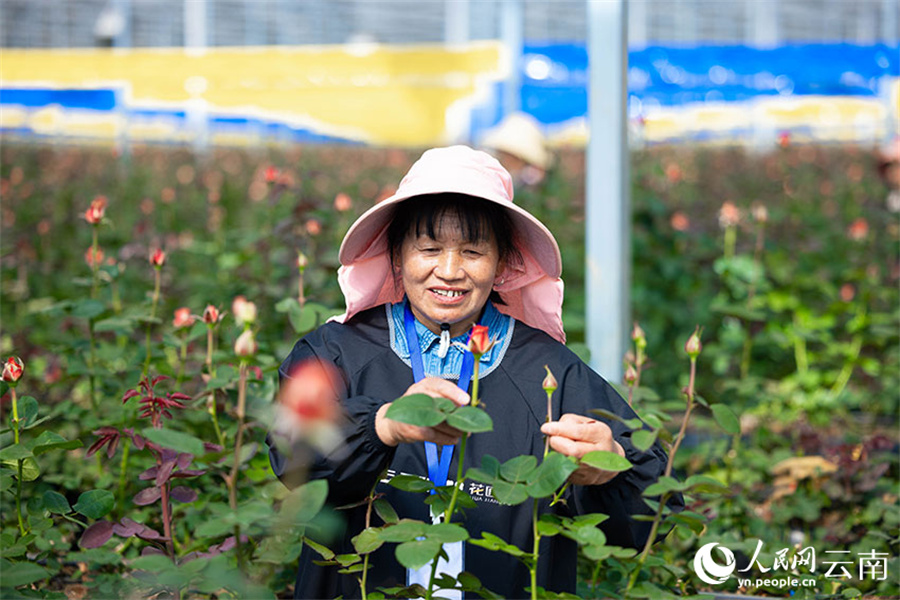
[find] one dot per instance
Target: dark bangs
(478, 219)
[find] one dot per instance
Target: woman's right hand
(394, 432)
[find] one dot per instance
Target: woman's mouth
(445, 296)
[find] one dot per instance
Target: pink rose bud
(13, 369)
(211, 315)
(158, 258)
(183, 318)
(630, 375)
(784, 139)
(302, 261)
(271, 174)
(313, 227)
(310, 393)
(549, 384)
(760, 213)
(94, 213)
(245, 345)
(693, 346)
(244, 312)
(729, 215)
(93, 258)
(342, 202)
(858, 229)
(638, 337)
(479, 340)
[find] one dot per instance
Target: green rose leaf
(49, 440)
(28, 410)
(56, 503)
(518, 469)
(305, 502)
(703, 484)
(22, 573)
(410, 483)
(95, 503)
(87, 308)
(662, 485)
(14, 453)
(176, 440)
(643, 439)
(417, 554)
(509, 493)
(405, 530)
(367, 541)
(323, 551)
(416, 409)
(470, 419)
(606, 460)
(154, 563)
(726, 418)
(550, 475)
(385, 511)
(447, 533)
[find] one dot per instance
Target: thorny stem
(657, 519)
(158, 274)
(800, 349)
(549, 418)
(730, 240)
(365, 571)
(93, 360)
(19, 462)
(183, 359)
(748, 341)
(94, 265)
(232, 479)
(211, 369)
(300, 297)
(459, 477)
(123, 469)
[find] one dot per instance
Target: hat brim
(367, 237)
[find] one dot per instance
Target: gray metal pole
(456, 21)
(608, 214)
(195, 41)
(889, 18)
(511, 24)
(195, 24)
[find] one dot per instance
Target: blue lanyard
(437, 469)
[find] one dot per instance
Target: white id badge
(453, 567)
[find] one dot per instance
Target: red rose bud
(549, 384)
(638, 337)
(158, 258)
(271, 174)
(479, 340)
(94, 213)
(183, 318)
(342, 202)
(302, 261)
(693, 346)
(630, 375)
(311, 391)
(13, 369)
(211, 315)
(245, 345)
(93, 258)
(244, 312)
(729, 215)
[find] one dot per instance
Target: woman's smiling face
(448, 279)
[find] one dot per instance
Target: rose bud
(638, 337)
(309, 405)
(271, 174)
(244, 312)
(94, 213)
(93, 257)
(729, 215)
(302, 261)
(693, 346)
(183, 318)
(13, 369)
(479, 340)
(245, 345)
(549, 384)
(211, 315)
(760, 213)
(630, 375)
(342, 202)
(158, 258)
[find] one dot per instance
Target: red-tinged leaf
(227, 544)
(184, 460)
(147, 496)
(96, 535)
(150, 550)
(157, 379)
(129, 395)
(210, 447)
(179, 396)
(150, 534)
(187, 473)
(149, 473)
(165, 470)
(127, 528)
(183, 494)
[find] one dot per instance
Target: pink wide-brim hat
(532, 289)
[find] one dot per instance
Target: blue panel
(94, 99)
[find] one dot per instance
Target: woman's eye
(474, 253)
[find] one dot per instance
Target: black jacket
(514, 398)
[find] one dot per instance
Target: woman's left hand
(576, 435)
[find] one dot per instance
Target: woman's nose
(448, 266)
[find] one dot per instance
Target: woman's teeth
(448, 293)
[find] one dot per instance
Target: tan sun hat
(532, 289)
(520, 135)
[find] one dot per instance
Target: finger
(440, 437)
(570, 447)
(588, 430)
(447, 430)
(442, 388)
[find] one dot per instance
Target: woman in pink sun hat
(447, 251)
